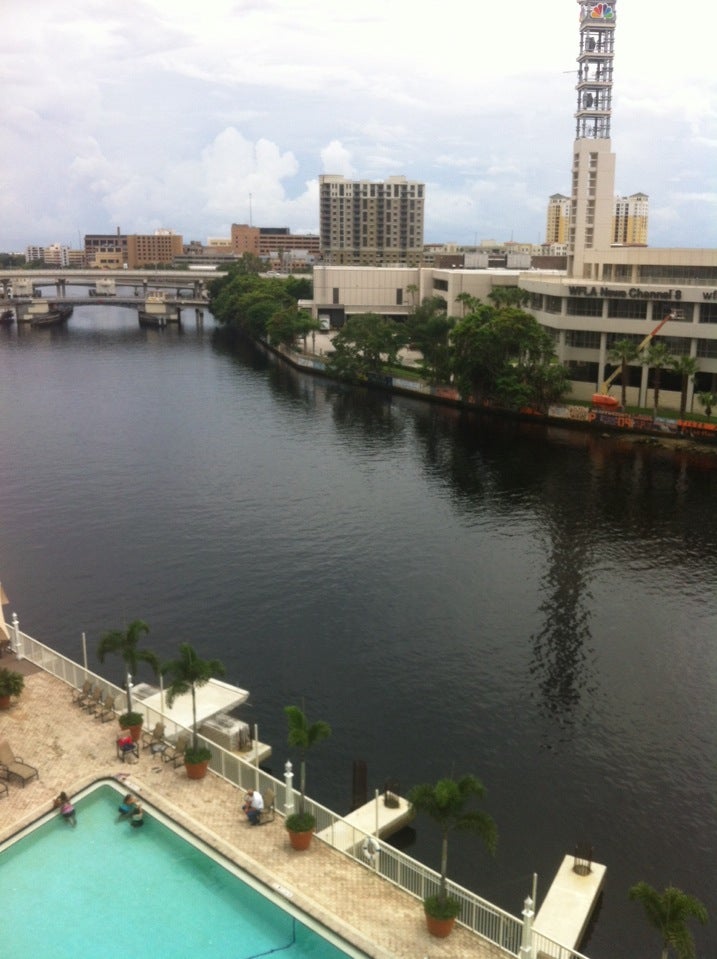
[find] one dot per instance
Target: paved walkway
(72, 749)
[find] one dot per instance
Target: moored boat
(57, 314)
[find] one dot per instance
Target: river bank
(676, 434)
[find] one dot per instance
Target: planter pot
(300, 840)
(440, 928)
(197, 770)
(4, 702)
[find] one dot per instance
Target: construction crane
(602, 397)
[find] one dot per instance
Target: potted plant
(186, 674)
(11, 684)
(303, 735)
(447, 803)
(125, 644)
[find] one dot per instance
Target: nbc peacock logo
(602, 11)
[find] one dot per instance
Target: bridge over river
(159, 296)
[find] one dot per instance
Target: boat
(57, 314)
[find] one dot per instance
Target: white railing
(482, 917)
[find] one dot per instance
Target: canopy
(212, 698)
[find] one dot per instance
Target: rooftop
(72, 749)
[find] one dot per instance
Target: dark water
(451, 595)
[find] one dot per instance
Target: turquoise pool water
(105, 889)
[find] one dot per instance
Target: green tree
(364, 344)
(668, 912)
(707, 401)
(508, 296)
(302, 736)
(686, 367)
(428, 328)
(125, 645)
(447, 803)
(657, 358)
(186, 674)
(468, 302)
(623, 352)
(506, 356)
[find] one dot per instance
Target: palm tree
(686, 366)
(303, 735)
(708, 401)
(186, 674)
(125, 644)
(468, 302)
(447, 803)
(623, 352)
(658, 357)
(668, 912)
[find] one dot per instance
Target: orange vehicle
(602, 399)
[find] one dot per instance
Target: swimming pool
(105, 889)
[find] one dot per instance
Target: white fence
(490, 922)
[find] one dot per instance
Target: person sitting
(127, 806)
(67, 810)
(253, 806)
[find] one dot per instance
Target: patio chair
(107, 711)
(154, 740)
(174, 753)
(79, 696)
(267, 813)
(15, 766)
(127, 750)
(94, 700)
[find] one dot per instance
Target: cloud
(168, 112)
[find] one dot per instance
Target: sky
(191, 115)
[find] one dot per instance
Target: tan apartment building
(135, 250)
(371, 224)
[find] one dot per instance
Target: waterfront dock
(374, 818)
(570, 901)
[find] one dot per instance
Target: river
(534, 606)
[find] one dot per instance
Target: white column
(526, 939)
(16, 634)
(288, 781)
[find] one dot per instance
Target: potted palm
(125, 644)
(11, 684)
(447, 804)
(302, 735)
(186, 674)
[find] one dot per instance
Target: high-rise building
(629, 226)
(136, 250)
(629, 220)
(593, 170)
(558, 219)
(371, 224)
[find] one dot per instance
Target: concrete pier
(374, 818)
(569, 903)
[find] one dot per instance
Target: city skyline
(166, 116)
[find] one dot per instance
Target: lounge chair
(174, 753)
(80, 696)
(107, 711)
(154, 740)
(12, 765)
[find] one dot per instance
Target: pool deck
(71, 750)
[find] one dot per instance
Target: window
(399, 297)
(584, 307)
(583, 339)
(335, 299)
(627, 309)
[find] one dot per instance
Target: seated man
(253, 806)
